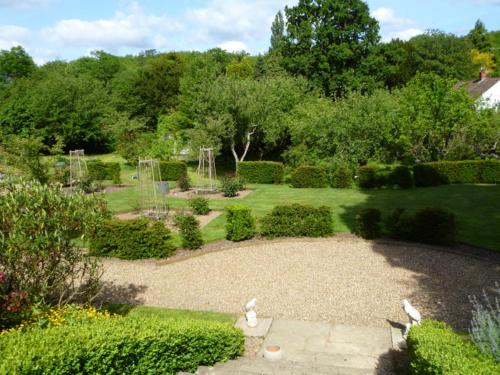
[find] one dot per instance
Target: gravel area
(343, 280)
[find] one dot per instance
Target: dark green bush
(368, 223)
(434, 226)
(401, 177)
(120, 346)
(240, 224)
(184, 183)
(261, 172)
(100, 171)
(189, 228)
(457, 172)
(230, 187)
(309, 177)
(132, 239)
(399, 224)
(367, 177)
(199, 205)
(297, 221)
(433, 348)
(341, 177)
(172, 170)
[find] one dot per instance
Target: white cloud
(128, 28)
(233, 46)
(394, 27)
(11, 36)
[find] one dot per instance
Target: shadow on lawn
(122, 294)
(442, 279)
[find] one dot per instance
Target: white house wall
(491, 98)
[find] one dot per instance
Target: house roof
(478, 87)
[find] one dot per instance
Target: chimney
(483, 73)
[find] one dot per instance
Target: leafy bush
(368, 223)
(199, 205)
(26, 155)
(172, 170)
(230, 187)
(341, 177)
(240, 224)
(261, 172)
(401, 177)
(297, 221)
(457, 172)
(485, 324)
(434, 226)
(189, 227)
(37, 228)
(183, 183)
(309, 177)
(123, 346)
(132, 239)
(14, 305)
(367, 177)
(434, 348)
(100, 171)
(399, 224)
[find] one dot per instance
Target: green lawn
(139, 311)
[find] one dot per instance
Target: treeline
(327, 91)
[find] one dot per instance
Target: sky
(68, 29)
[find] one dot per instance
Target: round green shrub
(399, 224)
(426, 175)
(230, 187)
(308, 176)
(189, 228)
(342, 177)
(367, 177)
(368, 223)
(240, 224)
(435, 226)
(199, 205)
(183, 183)
(401, 176)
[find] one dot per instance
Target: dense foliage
(261, 172)
(100, 171)
(457, 172)
(172, 170)
(307, 176)
(132, 239)
(368, 223)
(199, 205)
(240, 224)
(434, 348)
(189, 228)
(38, 255)
(123, 345)
(297, 221)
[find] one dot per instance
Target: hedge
(100, 171)
(457, 172)
(172, 170)
(297, 221)
(120, 346)
(434, 348)
(309, 177)
(190, 232)
(261, 172)
(240, 224)
(368, 223)
(132, 239)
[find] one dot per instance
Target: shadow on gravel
(123, 294)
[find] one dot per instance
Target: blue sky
(66, 29)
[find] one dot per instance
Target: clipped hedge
(261, 172)
(368, 223)
(297, 221)
(172, 170)
(434, 348)
(189, 228)
(120, 346)
(240, 224)
(132, 239)
(100, 171)
(367, 177)
(308, 176)
(457, 172)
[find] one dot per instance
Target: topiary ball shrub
(132, 239)
(297, 221)
(199, 205)
(240, 224)
(399, 224)
(367, 177)
(368, 223)
(261, 172)
(309, 177)
(230, 187)
(426, 175)
(189, 228)
(434, 226)
(342, 177)
(183, 183)
(129, 345)
(401, 177)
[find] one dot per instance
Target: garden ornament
(413, 314)
(251, 315)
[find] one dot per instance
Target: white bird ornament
(413, 314)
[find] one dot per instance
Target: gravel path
(342, 280)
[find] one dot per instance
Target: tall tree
(479, 37)
(327, 40)
(277, 33)
(15, 63)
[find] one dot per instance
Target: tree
(327, 40)
(24, 154)
(277, 33)
(478, 37)
(15, 64)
